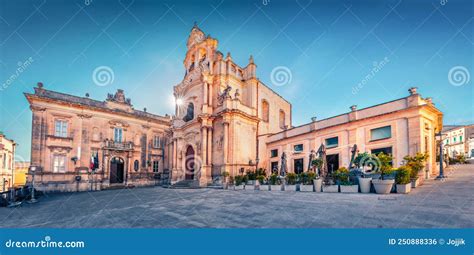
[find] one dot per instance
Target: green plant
(260, 178)
(311, 177)
(317, 162)
(273, 179)
(291, 178)
(261, 171)
(359, 158)
(245, 179)
(302, 178)
(402, 175)
(385, 167)
(416, 163)
(251, 175)
(239, 179)
(341, 176)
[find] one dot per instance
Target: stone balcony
(121, 146)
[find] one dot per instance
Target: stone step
(186, 184)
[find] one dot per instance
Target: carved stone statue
(224, 95)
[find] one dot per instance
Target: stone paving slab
(446, 204)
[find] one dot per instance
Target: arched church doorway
(116, 170)
(189, 175)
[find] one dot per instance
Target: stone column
(205, 94)
(226, 141)
(203, 178)
(209, 146)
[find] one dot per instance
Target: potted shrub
(274, 182)
(363, 161)
(383, 185)
(345, 185)
(307, 181)
(226, 183)
(239, 181)
(260, 181)
(402, 178)
(291, 182)
(416, 164)
(251, 177)
(317, 181)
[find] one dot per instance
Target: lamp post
(441, 156)
(33, 199)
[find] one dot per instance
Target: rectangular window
(332, 142)
(298, 166)
(118, 135)
(454, 139)
(460, 138)
(156, 142)
(298, 148)
(274, 153)
(155, 166)
(59, 163)
(60, 128)
(381, 133)
(386, 150)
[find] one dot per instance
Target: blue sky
(329, 47)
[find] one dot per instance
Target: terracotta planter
(331, 188)
(317, 185)
(364, 183)
(349, 188)
(404, 188)
(415, 182)
(383, 186)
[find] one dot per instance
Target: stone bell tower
(192, 124)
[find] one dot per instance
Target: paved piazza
(447, 204)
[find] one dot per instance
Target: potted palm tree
(383, 185)
(317, 181)
(416, 164)
(402, 178)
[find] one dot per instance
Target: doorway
(116, 170)
(332, 162)
(189, 163)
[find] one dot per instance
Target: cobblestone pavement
(446, 204)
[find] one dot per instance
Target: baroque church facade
(225, 120)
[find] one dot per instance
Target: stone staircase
(185, 184)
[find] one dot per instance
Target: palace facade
(226, 120)
(7, 158)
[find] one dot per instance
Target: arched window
(282, 119)
(265, 111)
(136, 165)
(189, 112)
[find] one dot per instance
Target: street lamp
(33, 199)
(441, 157)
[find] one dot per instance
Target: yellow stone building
(7, 158)
(226, 120)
